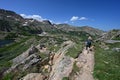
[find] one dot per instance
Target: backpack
(88, 42)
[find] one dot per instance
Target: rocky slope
(30, 60)
(91, 30)
(14, 23)
(87, 29)
(110, 35)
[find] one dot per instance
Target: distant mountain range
(13, 22)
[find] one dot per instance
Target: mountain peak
(47, 22)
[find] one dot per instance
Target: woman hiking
(88, 43)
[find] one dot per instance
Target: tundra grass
(9, 52)
(107, 64)
(75, 50)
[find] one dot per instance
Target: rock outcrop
(24, 55)
(33, 76)
(25, 60)
(112, 41)
(116, 49)
(85, 62)
(62, 65)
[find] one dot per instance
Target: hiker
(88, 43)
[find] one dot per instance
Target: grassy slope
(11, 51)
(107, 63)
(15, 49)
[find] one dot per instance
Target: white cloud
(83, 18)
(74, 18)
(37, 17)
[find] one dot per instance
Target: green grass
(116, 38)
(54, 48)
(65, 78)
(8, 76)
(107, 64)
(74, 71)
(9, 52)
(115, 45)
(75, 50)
(75, 68)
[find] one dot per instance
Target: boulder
(116, 49)
(33, 50)
(62, 68)
(33, 76)
(24, 55)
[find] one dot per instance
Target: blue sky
(102, 14)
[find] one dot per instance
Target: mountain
(89, 30)
(9, 15)
(10, 21)
(40, 50)
(17, 25)
(65, 27)
(110, 35)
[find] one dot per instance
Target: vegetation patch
(7, 53)
(74, 51)
(107, 64)
(65, 78)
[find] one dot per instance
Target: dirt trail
(85, 62)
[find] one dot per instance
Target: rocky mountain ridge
(12, 22)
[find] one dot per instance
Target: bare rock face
(62, 69)
(33, 50)
(31, 61)
(62, 64)
(111, 35)
(24, 55)
(25, 60)
(33, 76)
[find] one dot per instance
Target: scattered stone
(112, 41)
(106, 62)
(33, 76)
(33, 50)
(116, 49)
(104, 46)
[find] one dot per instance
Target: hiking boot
(90, 49)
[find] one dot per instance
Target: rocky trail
(63, 66)
(85, 62)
